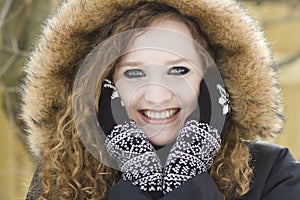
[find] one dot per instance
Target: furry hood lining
(243, 58)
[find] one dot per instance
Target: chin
(162, 139)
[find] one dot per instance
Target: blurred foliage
(20, 24)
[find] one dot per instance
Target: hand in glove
(195, 147)
(192, 154)
(126, 144)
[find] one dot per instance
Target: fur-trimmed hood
(243, 57)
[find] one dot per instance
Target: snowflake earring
(224, 99)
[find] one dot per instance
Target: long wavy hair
(71, 172)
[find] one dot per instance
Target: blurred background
(20, 25)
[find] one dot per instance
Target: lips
(159, 115)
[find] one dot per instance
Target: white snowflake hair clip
(224, 99)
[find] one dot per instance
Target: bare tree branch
(11, 60)
(281, 20)
(13, 51)
(289, 60)
(4, 11)
(15, 14)
(11, 115)
(11, 89)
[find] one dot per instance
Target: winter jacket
(242, 55)
(276, 177)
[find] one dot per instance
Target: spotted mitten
(192, 154)
(127, 145)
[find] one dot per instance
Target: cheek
(187, 90)
(188, 102)
(132, 104)
(130, 95)
(125, 89)
(188, 94)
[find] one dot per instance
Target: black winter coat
(276, 177)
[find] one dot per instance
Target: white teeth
(157, 115)
(160, 115)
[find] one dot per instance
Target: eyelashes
(134, 73)
(139, 73)
(178, 71)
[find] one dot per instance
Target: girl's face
(158, 80)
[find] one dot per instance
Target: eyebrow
(138, 63)
(132, 63)
(179, 60)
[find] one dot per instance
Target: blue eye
(134, 73)
(178, 71)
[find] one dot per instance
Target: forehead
(164, 40)
(173, 24)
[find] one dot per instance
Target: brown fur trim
(242, 55)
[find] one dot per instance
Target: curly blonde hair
(71, 172)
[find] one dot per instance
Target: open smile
(159, 116)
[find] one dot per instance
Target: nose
(157, 94)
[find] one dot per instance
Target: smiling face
(158, 79)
